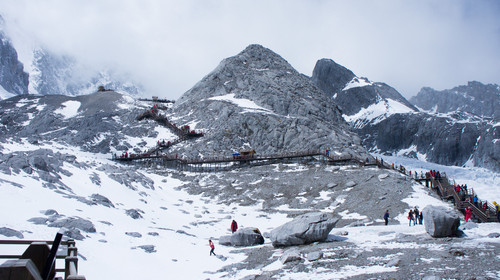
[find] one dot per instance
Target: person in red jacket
(212, 247)
(234, 226)
(468, 213)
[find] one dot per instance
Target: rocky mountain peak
(330, 76)
(257, 100)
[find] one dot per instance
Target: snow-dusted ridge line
(377, 112)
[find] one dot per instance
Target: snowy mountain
(387, 123)
(56, 172)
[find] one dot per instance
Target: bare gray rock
(440, 221)
(5, 231)
(243, 237)
(304, 229)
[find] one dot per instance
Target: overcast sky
(170, 45)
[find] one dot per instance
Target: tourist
(468, 214)
(212, 247)
(411, 218)
(415, 212)
(420, 218)
(386, 217)
(234, 226)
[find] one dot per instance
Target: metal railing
(70, 269)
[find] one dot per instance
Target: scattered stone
(77, 223)
(383, 176)
(440, 221)
(148, 248)
(350, 184)
(106, 223)
(134, 213)
(11, 232)
(290, 256)
(331, 185)
(50, 212)
(304, 229)
(393, 262)
(38, 220)
(431, 277)
(134, 234)
(103, 241)
(73, 233)
(314, 256)
(494, 235)
(153, 233)
(102, 200)
(343, 233)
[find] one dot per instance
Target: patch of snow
(248, 105)
(377, 112)
(69, 109)
(357, 82)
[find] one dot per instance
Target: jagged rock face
(60, 74)
(475, 98)
(352, 93)
(388, 123)
(256, 100)
(445, 140)
(12, 76)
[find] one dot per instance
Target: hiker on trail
(420, 218)
(468, 213)
(212, 247)
(475, 200)
(411, 218)
(416, 213)
(386, 217)
(234, 226)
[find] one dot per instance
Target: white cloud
(170, 45)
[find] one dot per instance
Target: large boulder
(243, 237)
(304, 229)
(440, 221)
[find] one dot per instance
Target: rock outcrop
(304, 229)
(474, 98)
(243, 237)
(441, 222)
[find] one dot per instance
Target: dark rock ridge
(459, 137)
(350, 92)
(474, 98)
(12, 76)
(257, 100)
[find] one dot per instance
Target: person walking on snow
(212, 247)
(411, 218)
(415, 212)
(386, 217)
(234, 226)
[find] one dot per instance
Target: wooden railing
(70, 269)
